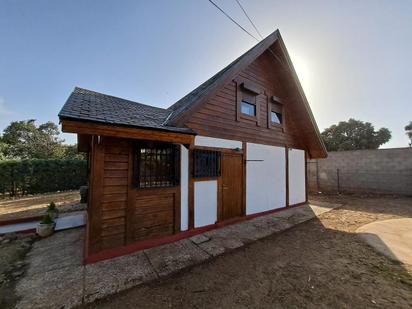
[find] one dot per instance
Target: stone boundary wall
(387, 171)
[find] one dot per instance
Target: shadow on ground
(320, 263)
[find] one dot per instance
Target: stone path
(65, 221)
(56, 278)
(392, 238)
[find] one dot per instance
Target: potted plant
(46, 226)
(52, 211)
(84, 191)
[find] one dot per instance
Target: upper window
(248, 103)
(276, 116)
(206, 163)
(157, 166)
(248, 108)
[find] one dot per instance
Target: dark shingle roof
(93, 106)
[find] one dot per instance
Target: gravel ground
(318, 264)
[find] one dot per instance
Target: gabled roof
(194, 98)
(183, 108)
(93, 106)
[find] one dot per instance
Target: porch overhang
(92, 128)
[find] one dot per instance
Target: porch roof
(91, 106)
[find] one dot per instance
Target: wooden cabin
(233, 148)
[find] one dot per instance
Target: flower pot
(44, 230)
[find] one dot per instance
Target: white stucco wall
(205, 202)
(206, 141)
(266, 179)
(297, 186)
(184, 188)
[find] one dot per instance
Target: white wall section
(206, 141)
(184, 188)
(297, 183)
(205, 202)
(265, 178)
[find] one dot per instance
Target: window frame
(218, 161)
(275, 104)
(248, 92)
(243, 101)
(174, 159)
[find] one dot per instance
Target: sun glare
(302, 70)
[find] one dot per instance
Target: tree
(408, 129)
(24, 140)
(353, 135)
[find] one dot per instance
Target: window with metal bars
(156, 166)
(206, 163)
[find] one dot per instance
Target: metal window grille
(157, 166)
(206, 163)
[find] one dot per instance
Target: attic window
(276, 117)
(248, 103)
(276, 114)
(248, 108)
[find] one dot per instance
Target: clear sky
(353, 57)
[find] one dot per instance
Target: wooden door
(232, 185)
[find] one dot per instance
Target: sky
(353, 58)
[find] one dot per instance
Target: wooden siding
(154, 214)
(219, 116)
(115, 187)
(119, 213)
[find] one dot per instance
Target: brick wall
(378, 171)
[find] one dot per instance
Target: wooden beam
(287, 175)
(80, 127)
(244, 147)
(96, 193)
(191, 189)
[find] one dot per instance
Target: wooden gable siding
(217, 117)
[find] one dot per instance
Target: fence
(40, 176)
(386, 171)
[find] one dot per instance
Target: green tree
(70, 152)
(353, 135)
(24, 140)
(408, 129)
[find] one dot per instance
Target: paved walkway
(392, 238)
(56, 278)
(66, 221)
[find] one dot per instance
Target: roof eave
(113, 124)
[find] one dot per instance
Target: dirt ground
(13, 249)
(317, 264)
(36, 205)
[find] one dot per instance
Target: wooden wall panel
(218, 117)
(119, 213)
(155, 215)
(115, 188)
